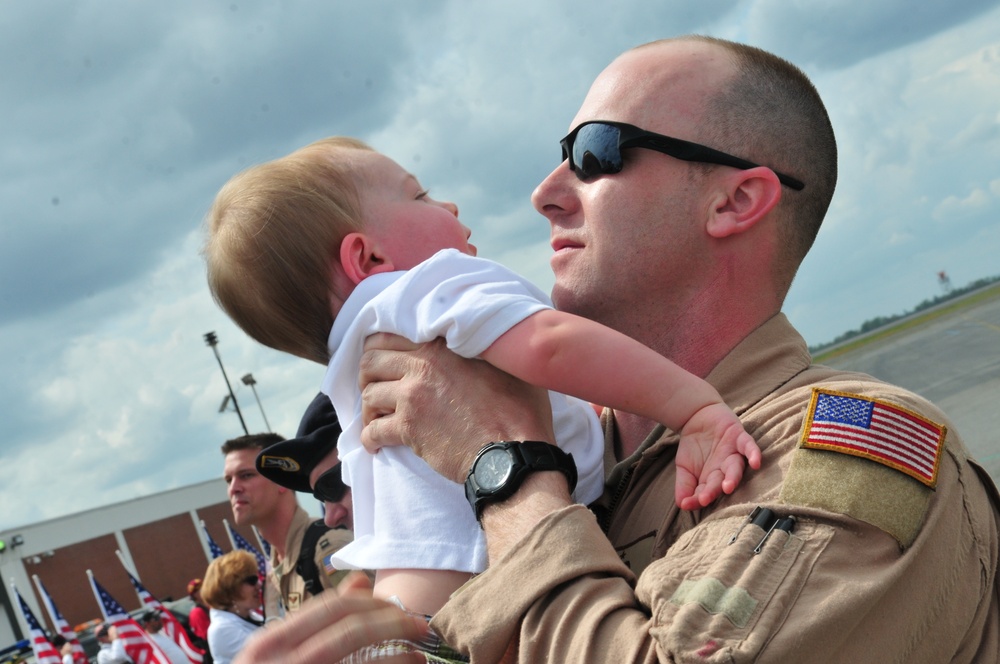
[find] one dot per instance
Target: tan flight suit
(284, 585)
(878, 568)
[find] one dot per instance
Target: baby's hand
(710, 456)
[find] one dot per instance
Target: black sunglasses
(330, 488)
(595, 148)
(252, 580)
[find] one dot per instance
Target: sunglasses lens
(596, 151)
(330, 488)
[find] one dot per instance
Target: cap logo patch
(877, 430)
(287, 464)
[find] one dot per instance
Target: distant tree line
(881, 321)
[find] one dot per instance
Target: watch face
(493, 469)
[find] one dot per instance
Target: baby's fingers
(747, 446)
(732, 467)
(684, 489)
(710, 488)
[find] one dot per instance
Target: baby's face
(409, 224)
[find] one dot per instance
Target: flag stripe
(171, 625)
(876, 430)
(60, 623)
(878, 444)
(138, 645)
(45, 652)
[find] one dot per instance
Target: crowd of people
(694, 180)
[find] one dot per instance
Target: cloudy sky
(120, 120)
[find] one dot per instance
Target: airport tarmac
(953, 360)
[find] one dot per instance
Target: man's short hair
(254, 441)
(771, 113)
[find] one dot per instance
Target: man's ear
(361, 257)
(748, 197)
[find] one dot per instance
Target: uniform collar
(767, 358)
(293, 542)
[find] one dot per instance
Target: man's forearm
(506, 522)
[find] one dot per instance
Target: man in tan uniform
(282, 522)
(867, 536)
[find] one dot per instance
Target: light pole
(213, 341)
(248, 380)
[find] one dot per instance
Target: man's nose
(552, 194)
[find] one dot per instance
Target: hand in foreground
(331, 626)
(710, 456)
(442, 406)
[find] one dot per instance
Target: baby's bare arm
(576, 356)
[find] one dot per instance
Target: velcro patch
(713, 596)
(877, 430)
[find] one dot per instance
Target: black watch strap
(500, 468)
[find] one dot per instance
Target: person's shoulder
(874, 452)
(331, 540)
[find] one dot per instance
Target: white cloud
(133, 115)
(953, 208)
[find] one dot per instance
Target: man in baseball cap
(309, 463)
(112, 650)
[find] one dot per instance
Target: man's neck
(698, 354)
(275, 531)
(632, 432)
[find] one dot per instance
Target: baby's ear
(360, 257)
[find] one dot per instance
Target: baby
(313, 252)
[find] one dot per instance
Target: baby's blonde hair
(274, 233)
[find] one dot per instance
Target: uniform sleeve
(835, 589)
(331, 541)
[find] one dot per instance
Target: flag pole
(229, 531)
(121, 558)
(97, 598)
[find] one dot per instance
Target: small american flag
(60, 623)
(876, 430)
(138, 645)
(213, 548)
(45, 652)
(171, 626)
(242, 543)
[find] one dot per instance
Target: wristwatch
(501, 468)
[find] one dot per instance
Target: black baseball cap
(289, 462)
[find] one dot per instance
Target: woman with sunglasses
(232, 591)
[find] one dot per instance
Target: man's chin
(564, 299)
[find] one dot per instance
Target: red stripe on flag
(894, 436)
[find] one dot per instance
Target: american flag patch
(328, 566)
(876, 430)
